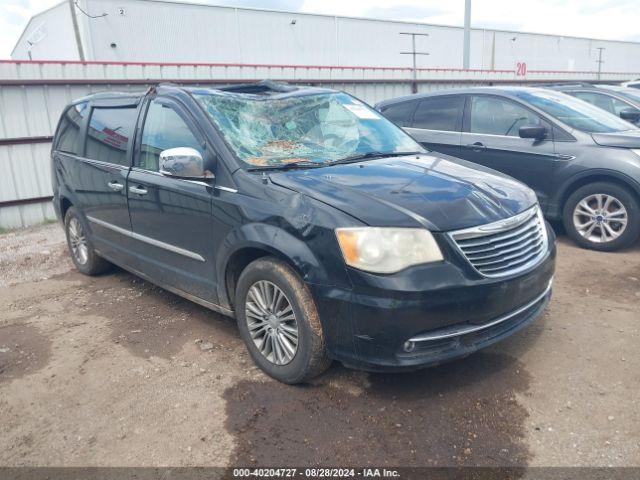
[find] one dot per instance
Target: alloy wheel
(600, 218)
(272, 322)
(78, 241)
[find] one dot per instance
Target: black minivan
(324, 229)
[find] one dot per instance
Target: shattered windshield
(319, 128)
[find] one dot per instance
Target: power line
(104, 14)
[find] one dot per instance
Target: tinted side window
(68, 132)
(496, 116)
(109, 134)
(440, 113)
(163, 129)
(400, 113)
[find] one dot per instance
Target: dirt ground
(113, 371)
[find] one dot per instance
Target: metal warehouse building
(162, 31)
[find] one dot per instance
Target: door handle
(477, 146)
(138, 190)
(115, 186)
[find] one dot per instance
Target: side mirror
(537, 132)
(182, 162)
(630, 114)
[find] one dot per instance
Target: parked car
(325, 230)
(620, 101)
(632, 84)
(582, 162)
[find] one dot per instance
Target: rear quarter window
(440, 113)
(110, 131)
(400, 113)
(68, 133)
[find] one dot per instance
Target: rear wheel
(279, 323)
(602, 216)
(82, 252)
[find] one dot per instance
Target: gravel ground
(113, 371)
(35, 253)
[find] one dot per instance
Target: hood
(411, 191)
(628, 139)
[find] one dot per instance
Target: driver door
(491, 138)
(171, 217)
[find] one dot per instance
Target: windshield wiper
(288, 166)
(364, 156)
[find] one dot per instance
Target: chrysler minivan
(324, 229)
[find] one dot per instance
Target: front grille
(505, 247)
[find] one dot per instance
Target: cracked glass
(319, 128)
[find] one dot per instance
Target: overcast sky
(605, 19)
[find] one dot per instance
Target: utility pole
(466, 52)
(76, 30)
(414, 54)
(600, 61)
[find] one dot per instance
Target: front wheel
(82, 253)
(279, 323)
(602, 216)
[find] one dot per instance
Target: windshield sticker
(363, 112)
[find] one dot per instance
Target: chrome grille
(505, 247)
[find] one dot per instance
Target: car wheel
(279, 323)
(82, 253)
(602, 216)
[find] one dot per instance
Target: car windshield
(314, 129)
(575, 113)
(630, 93)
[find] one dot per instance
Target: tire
(81, 249)
(616, 235)
(260, 279)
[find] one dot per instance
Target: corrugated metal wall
(33, 94)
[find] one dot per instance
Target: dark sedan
(582, 162)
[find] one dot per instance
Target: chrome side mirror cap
(182, 162)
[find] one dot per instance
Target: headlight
(636, 151)
(387, 250)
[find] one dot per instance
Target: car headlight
(387, 250)
(636, 151)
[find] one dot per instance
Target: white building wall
(161, 31)
(54, 29)
(546, 52)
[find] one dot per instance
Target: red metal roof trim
(308, 67)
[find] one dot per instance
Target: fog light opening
(409, 346)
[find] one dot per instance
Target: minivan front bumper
(429, 315)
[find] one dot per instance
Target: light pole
(600, 61)
(414, 54)
(466, 52)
